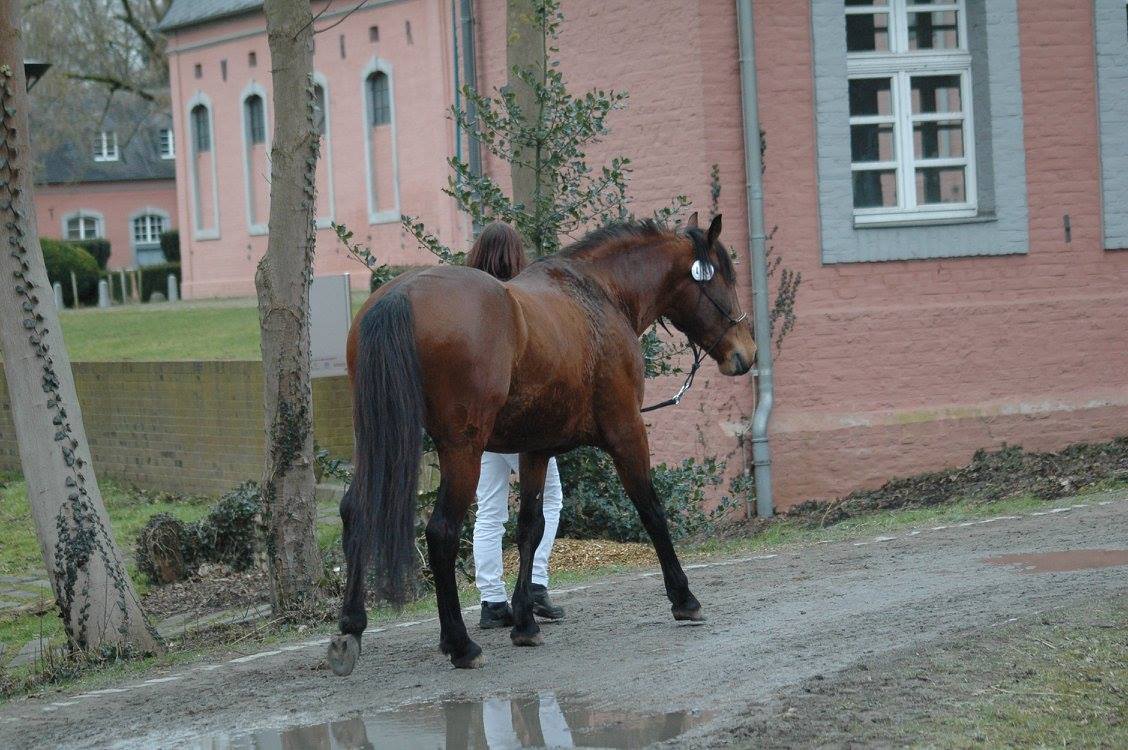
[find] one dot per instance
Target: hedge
(61, 258)
(99, 248)
(170, 245)
(153, 279)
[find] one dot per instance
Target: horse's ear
(692, 223)
(714, 230)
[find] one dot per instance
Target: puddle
(541, 720)
(1056, 562)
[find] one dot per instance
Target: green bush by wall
(99, 248)
(61, 258)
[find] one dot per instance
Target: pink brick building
(950, 178)
(120, 186)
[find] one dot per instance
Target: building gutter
(470, 79)
(754, 190)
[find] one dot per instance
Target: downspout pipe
(470, 79)
(754, 190)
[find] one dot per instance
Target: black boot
(496, 615)
(542, 605)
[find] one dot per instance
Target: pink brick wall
(116, 201)
(894, 367)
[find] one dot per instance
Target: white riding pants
(493, 512)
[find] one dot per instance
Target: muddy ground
(828, 614)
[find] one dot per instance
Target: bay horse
(538, 365)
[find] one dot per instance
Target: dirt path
(775, 623)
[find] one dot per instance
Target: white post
(103, 293)
(58, 288)
(173, 289)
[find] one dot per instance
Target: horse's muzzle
(736, 363)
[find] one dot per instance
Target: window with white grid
(147, 229)
(106, 146)
(911, 132)
(168, 144)
(83, 226)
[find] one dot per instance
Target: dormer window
(106, 146)
(168, 144)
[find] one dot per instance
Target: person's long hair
(498, 251)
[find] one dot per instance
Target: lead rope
(698, 357)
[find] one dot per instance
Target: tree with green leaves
(543, 132)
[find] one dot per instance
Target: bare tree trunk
(283, 280)
(95, 596)
(525, 50)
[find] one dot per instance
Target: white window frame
(148, 219)
(99, 224)
(167, 143)
(324, 222)
(900, 65)
(199, 231)
(388, 215)
(106, 146)
(254, 227)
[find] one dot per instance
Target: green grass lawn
(205, 330)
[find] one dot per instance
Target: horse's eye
(701, 271)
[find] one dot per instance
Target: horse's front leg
(459, 471)
(629, 448)
(530, 529)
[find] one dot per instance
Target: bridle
(699, 354)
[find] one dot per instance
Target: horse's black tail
(378, 510)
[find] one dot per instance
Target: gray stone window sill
(982, 218)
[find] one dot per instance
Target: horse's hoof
(689, 616)
(473, 658)
(527, 639)
(344, 650)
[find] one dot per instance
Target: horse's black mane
(650, 229)
(619, 230)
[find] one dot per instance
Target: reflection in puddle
(1054, 562)
(491, 724)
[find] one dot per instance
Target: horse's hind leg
(344, 649)
(630, 451)
(459, 469)
(530, 529)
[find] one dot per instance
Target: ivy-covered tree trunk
(96, 599)
(283, 280)
(526, 51)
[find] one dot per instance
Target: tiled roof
(185, 13)
(139, 159)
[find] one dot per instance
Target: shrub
(170, 245)
(169, 549)
(597, 507)
(155, 279)
(99, 248)
(61, 258)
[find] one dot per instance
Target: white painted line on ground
(322, 641)
(252, 657)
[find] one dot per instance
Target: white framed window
(106, 146)
(167, 143)
(147, 229)
(912, 151)
(82, 225)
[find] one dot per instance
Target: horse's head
(705, 306)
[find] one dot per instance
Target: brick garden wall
(183, 426)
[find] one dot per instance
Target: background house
(949, 178)
(115, 179)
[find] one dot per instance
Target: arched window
(204, 187)
(201, 129)
(82, 225)
(145, 229)
(381, 166)
(255, 117)
(379, 100)
(256, 161)
(319, 114)
(321, 122)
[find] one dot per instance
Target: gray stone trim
(1110, 18)
(1001, 227)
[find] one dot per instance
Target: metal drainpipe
(470, 78)
(753, 170)
(457, 77)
